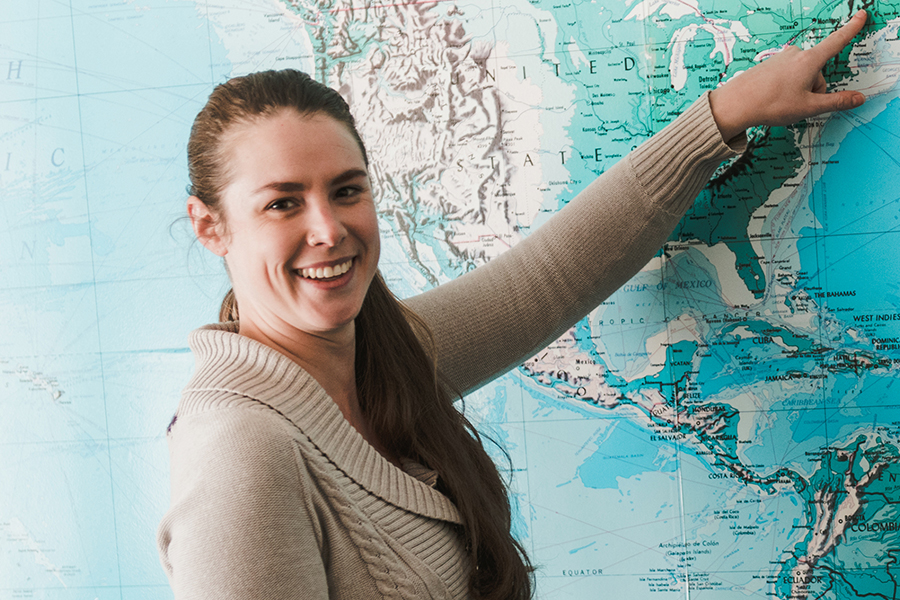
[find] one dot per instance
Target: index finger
(837, 41)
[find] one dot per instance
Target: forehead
(288, 144)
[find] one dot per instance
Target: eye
(282, 204)
(349, 192)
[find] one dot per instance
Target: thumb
(823, 103)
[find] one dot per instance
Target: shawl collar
(231, 370)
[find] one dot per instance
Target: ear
(207, 228)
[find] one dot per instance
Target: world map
(723, 426)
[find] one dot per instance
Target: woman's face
(300, 232)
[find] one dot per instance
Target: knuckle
(844, 102)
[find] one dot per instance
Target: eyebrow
(293, 186)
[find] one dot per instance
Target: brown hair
(400, 390)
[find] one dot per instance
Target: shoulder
(233, 442)
(234, 472)
(242, 516)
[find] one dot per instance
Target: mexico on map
(726, 425)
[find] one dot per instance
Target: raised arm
(495, 317)
(498, 315)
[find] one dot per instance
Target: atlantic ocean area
(847, 260)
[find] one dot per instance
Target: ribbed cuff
(683, 156)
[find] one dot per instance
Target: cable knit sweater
(276, 496)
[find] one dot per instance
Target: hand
(786, 88)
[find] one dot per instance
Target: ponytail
(229, 309)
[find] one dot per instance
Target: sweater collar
(229, 362)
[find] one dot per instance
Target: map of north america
(723, 426)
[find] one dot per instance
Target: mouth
(329, 272)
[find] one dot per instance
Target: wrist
(726, 113)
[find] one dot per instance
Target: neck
(330, 359)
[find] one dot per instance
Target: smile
(327, 272)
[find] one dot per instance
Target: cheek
(257, 252)
(368, 232)
(375, 237)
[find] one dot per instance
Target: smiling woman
(354, 402)
(316, 452)
(297, 207)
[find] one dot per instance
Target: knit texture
(378, 532)
(275, 495)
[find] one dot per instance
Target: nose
(324, 225)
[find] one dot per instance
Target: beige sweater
(276, 496)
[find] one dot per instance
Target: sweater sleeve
(493, 318)
(240, 524)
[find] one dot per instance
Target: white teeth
(327, 272)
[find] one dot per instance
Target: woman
(316, 451)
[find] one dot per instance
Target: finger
(836, 42)
(824, 103)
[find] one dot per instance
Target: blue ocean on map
(100, 271)
(857, 232)
(626, 452)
